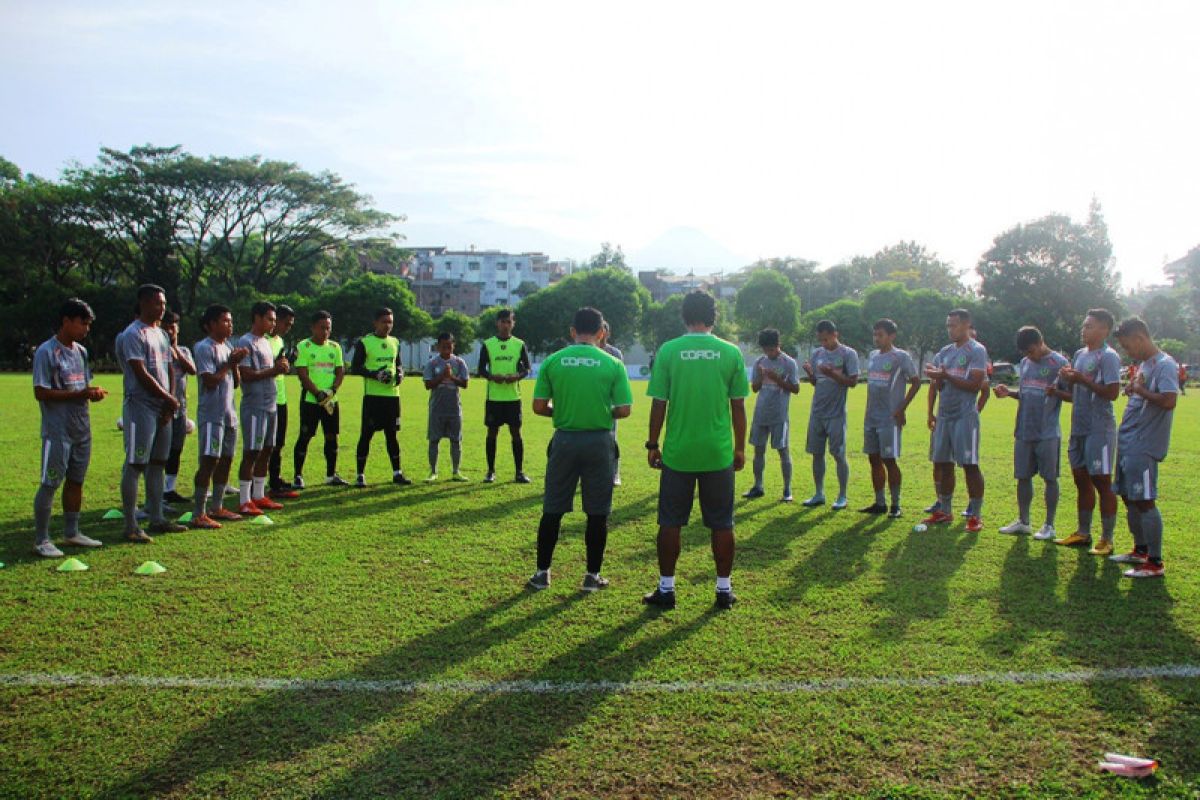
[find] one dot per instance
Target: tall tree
(609, 257)
(767, 301)
(911, 264)
(544, 318)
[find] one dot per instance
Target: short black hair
(74, 308)
(284, 311)
(699, 308)
(886, 325)
(961, 313)
(588, 321)
(444, 335)
(170, 318)
(504, 313)
(768, 337)
(1103, 315)
(261, 308)
(826, 326)
(149, 290)
(212, 313)
(1027, 337)
(1133, 326)
(320, 315)
(382, 311)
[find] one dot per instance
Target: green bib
(276, 343)
(503, 358)
(379, 354)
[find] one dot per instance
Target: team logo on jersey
(140, 452)
(52, 474)
(575, 361)
(887, 366)
(1137, 487)
(699, 355)
(837, 362)
(1045, 371)
(962, 361)
(1097, 464)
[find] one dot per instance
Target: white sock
(666, 583)
(396, 473)
(260, 487)
(244, 492)
(171, 482)
(723, 584)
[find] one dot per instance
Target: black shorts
(676, 491)
(502, 412)
(312, 415)
(380, 414)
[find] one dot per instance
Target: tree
(354, 303)
(458, 324)
(1167, 317)
(544, 318)
(661, 322)
(609, 257)
(912, 265)
(767, 301)
(847, 315)
(525, 289)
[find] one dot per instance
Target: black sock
(547, 538)
(393, 449)
(299, 454)
(518, 448)
(331, 448)
(489, 447)
(596, 538)
(362, 451)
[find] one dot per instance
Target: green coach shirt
(585, 384)
(698, 374)
(322, 361)
(276, 343)
(380, 354)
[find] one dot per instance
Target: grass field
(426, 583)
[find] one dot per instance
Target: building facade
(502, 278)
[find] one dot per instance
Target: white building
(498, 274)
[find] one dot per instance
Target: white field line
(814, 686)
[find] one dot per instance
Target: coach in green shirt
(583, 389)
(699, 387)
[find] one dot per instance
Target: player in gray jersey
(445, 375)
(832, 370)
(257, 373)
(892, 383)
(144, 353)
(216, 417)
(1094, 380)
(775, 377)
(608, 347)
(1142, 443)
(182, 366)
(957, 375)
(1038, 436)
(61, 384)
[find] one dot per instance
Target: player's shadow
(839, 559)
(372, 500)
(282, 725)
(916, 585)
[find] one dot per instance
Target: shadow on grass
(839, 559)
(917, 573)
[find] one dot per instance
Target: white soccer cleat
(1046, 533)
(1017, 528)
(79, 540)
(47, 550)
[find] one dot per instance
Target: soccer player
(321, 368)
(889, 370)
(1095, 380)
(1038, 435)
(61, 378)
(607, 346)
(957, 374)
(980, 403)
(285, 318)
(376, 359)
(445, 374)
(216, 418)
(1142, 443)
(181, 367)
(698, 384)
(144, 354)
(832, 370)
(583, 389)
(257, 373)
(503, 362)
(775, 377)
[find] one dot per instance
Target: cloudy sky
(689, 133)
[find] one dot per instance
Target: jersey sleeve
(460, 369)
(1166, 377)
(660, 378)
(622, 393)
(43, 369)
(87, 363)
(979, 360)
(129, 348)
(358, 359)
(738, 385)
(524, 365)
(484, 368)
(542, 389)
(1110, 368)
(303, 357)
(851, 362)
(427, 372)
(206, 360)
(338, 359)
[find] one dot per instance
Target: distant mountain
(683, 249)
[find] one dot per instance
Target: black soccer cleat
(725, 600)
(660, 599)
(875, 508)
(401, 480)
(174, 497)
(754, 492)
(895, 513)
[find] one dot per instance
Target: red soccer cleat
(284, 494)
(267, 504)
(224, 515)
(974, 524)
(938, 518)
(249, 510)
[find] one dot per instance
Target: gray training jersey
(1145, 427)
(829, 396)
(888, 376)
(215, 405)
(1091, 413)
(56, 366)
(181, 376)
(258, 395)
(771, 407)
(614, 352)
(151, 346)
(959, 362)
(1037, 412)
(444, 400)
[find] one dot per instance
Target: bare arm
(542, 407)
(621, 412)
(658, 415)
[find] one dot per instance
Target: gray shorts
(676, 492)
(1137, 477)
(822, 431)
(583, 458)
(146, 438)
(956, 440)
(258, 429)
(1037, 458)
(444, 427)
(1094, 452)
(62, 458)
(777, 434)
(883, 441)
(217, 440)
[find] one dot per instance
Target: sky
(692, 134)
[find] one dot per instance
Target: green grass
(426, 583)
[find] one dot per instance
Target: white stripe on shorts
(1104, 460)
(896, 441)
(1146, 485)
(45, 457)
(130, 441)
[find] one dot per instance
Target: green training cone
(113, 513)
(185, 518)
(263, 520)
(72, 565)
(150, 568)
